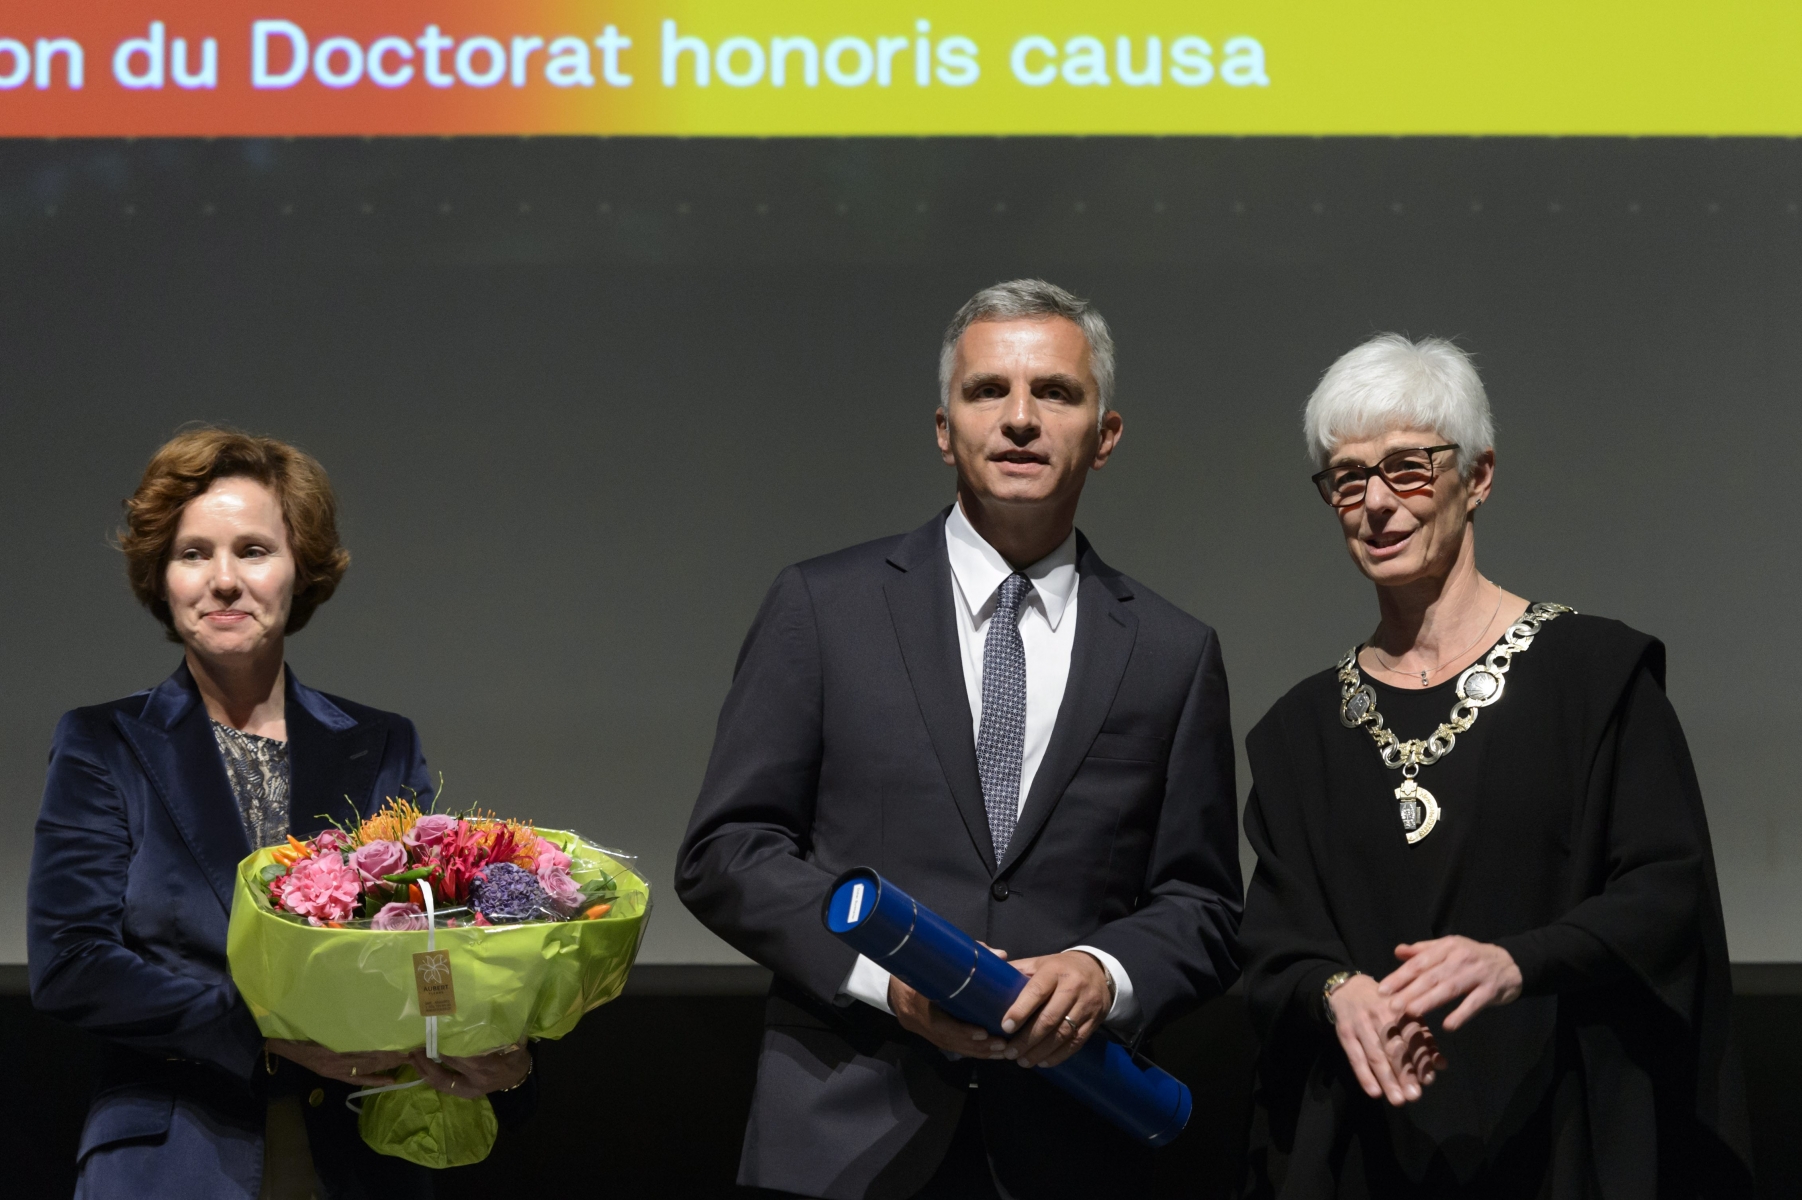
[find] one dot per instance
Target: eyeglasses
(1403, 470)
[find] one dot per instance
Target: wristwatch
(1334, 982)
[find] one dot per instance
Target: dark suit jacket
(131, 888)
(846, 740)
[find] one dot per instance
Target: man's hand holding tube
(921, 1016)
(1070, 994)
(1065, 1000)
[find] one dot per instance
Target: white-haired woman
(1484, 942)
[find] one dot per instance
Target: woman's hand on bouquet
(1436, 972)
(1069, 992)
(1394, 1057)
(497, 1071)
(360, 1069)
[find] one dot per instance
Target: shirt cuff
(1124, 1015)
(867, 982)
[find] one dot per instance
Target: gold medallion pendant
(1419, 810)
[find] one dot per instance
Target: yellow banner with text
(805, 67)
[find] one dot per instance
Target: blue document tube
(948, 967)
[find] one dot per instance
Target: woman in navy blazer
(151, 802)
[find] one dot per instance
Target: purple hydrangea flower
(504, 892)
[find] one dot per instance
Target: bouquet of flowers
(462, 934)
(499, 870)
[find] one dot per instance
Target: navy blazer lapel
(1105, 632)
(334, 760)
(173, 740)
(919, 604)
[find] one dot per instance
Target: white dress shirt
(1048, 630)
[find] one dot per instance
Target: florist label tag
(432, 974)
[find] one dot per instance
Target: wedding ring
(1072, 1024)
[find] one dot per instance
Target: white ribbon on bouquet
(431, 1023)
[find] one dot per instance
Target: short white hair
(1390, 383)
(1034, 300)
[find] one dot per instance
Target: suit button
(998, 889)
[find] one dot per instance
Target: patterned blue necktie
(1002, 738)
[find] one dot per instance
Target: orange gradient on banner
(413, 88)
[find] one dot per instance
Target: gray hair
(1032, 299)
(1389, 383)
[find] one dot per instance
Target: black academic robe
(1572, 833)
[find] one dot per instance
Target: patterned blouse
(259, 773)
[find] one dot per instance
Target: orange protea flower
(389, 823)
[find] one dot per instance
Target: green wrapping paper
(353, 989)
(428, 1127)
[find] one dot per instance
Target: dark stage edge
(675, 1058)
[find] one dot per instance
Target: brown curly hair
(186, 466)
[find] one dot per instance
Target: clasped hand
(469, 1077)
(1070, 985)
(1382, 1026)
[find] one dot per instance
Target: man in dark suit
(1025, 740)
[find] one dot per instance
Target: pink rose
(429, 830)
(399, 917)
(547, 856)
(331, 839)
(564, 892)
(320, 889)
(376, 859)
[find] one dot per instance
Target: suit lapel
(332, 757)
(919, 604)
(334, 760)
(1105, 632)
(173, 740)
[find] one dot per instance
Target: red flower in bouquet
(462, 853)
(458, 855)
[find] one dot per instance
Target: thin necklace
(1499, 593)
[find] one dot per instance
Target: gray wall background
(583, 398)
